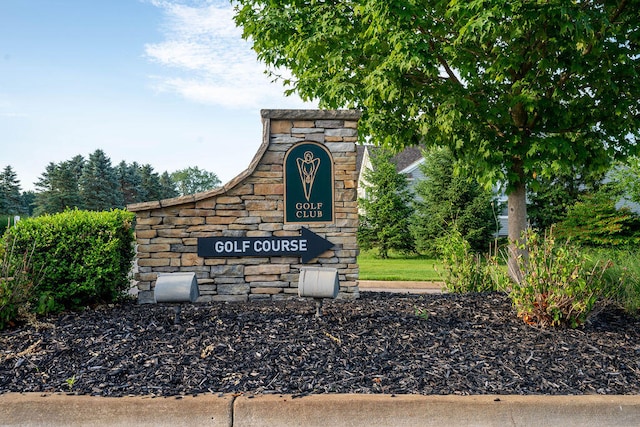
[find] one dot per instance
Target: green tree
(513, 88)
(58, 187)
(447, 200)
(386, 211)
(130, 182)
(626, 176)
(595, 220)
(28, 202)
(167, 186)
(549, 197)
(151, 188)
(45, 200)
(10, 197)
(99, 187)
(193, 180)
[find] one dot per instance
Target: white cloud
(210, 61)
(7, 109)
(11, 114)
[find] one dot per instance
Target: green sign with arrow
(307, 246)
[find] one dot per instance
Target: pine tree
(446, 199)
(130, 182)
(45, 202)
(151, 188)
(167, 186)
(99, 187)
(68, 181)
(551, 197)
(10, 198)
(386, 211)
(58, 187)
(28, 202)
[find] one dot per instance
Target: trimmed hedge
(78, 258)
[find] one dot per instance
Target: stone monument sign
(294, 206)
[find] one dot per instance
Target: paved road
(401, 287)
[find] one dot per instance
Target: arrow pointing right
(316, 245)
(307, 246)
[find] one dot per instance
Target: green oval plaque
(308, 184)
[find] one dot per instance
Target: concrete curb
(36, 409)
(416, 410)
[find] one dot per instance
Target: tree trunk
(517, 207)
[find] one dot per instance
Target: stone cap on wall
(266, 116)
(311, 114)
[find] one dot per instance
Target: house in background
(408, 163)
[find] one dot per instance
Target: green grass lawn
(398, 267)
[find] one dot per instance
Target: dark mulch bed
(468, 344)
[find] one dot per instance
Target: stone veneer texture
(252, 205)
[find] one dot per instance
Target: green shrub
(595, 221)
(622, 279)
(466, 271)
(85, 257)
(16, 284)
(558, 285)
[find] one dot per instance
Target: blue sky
(170, 83)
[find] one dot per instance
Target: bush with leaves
(622, 279)
(625, 176)
(466, 271)
(557, 285)
(17, 283)
(596, 221)
(85, 257)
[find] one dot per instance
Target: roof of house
(407, 157)
(360, 149)
(402, 160)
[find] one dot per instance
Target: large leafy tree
(386, 210)
(514, 88)
(447, 200)
(194, 180)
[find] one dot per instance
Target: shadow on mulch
(381, 343)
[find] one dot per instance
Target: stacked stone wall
(252, 205)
